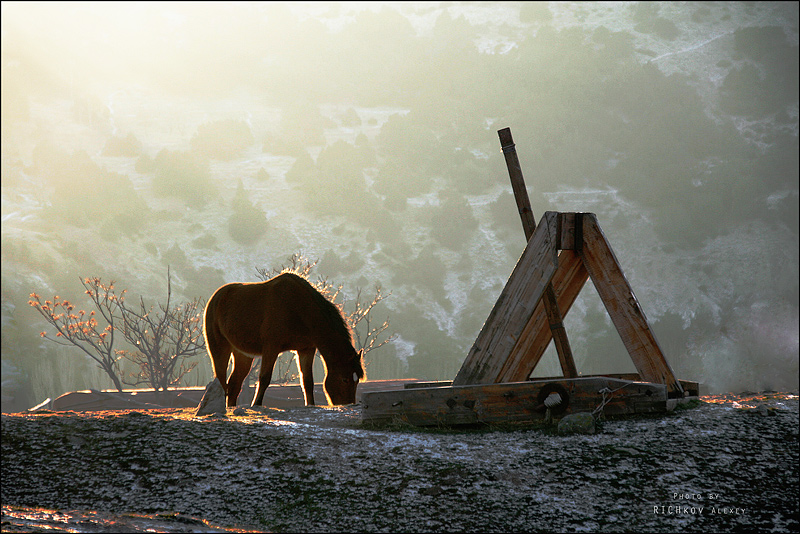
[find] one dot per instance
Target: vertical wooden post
(529, 226)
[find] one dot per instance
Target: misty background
(218, 138)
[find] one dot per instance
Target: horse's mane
(333, 315)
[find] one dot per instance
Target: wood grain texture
(623, 307)
(514, 306)
(512, 402)
(568, 280)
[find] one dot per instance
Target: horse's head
(342, 379)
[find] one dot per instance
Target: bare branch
(367, 337)
(298, 264)
(81, 329)
(164, 340)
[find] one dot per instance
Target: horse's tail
(216, 343)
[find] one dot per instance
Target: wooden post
(623, 307)
(517, 182)
(529, 226)
(514, 307)
(568, 280)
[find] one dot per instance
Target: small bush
(205, 241)
(351, 118)
(247, 227)
(302, 169)
(183, 175)
(247, 223)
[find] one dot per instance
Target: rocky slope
(729, 464)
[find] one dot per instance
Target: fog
(217, 138)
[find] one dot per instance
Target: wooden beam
(511, 402)
(554, 316)
(623, 308)
(691, 389)
(567, 237)
(568, 280)
(517, 182)
(514, 306)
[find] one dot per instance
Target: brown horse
(263, 319)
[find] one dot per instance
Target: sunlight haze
(217, 138)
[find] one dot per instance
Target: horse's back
(286, 287)
(246, 309)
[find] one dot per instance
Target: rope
(606, 399)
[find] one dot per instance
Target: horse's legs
(241, 367)
(305, 361)
(264, 376)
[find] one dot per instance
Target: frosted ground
(730, 464)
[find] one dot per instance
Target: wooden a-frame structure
(563, 252)
(517, 332)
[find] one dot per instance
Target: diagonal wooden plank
(568, 280)
(514, 306)
(623, 308)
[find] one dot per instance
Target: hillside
(370, 145)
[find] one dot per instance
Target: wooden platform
(441, 404)
(563, 253)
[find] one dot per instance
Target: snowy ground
(730, 464)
